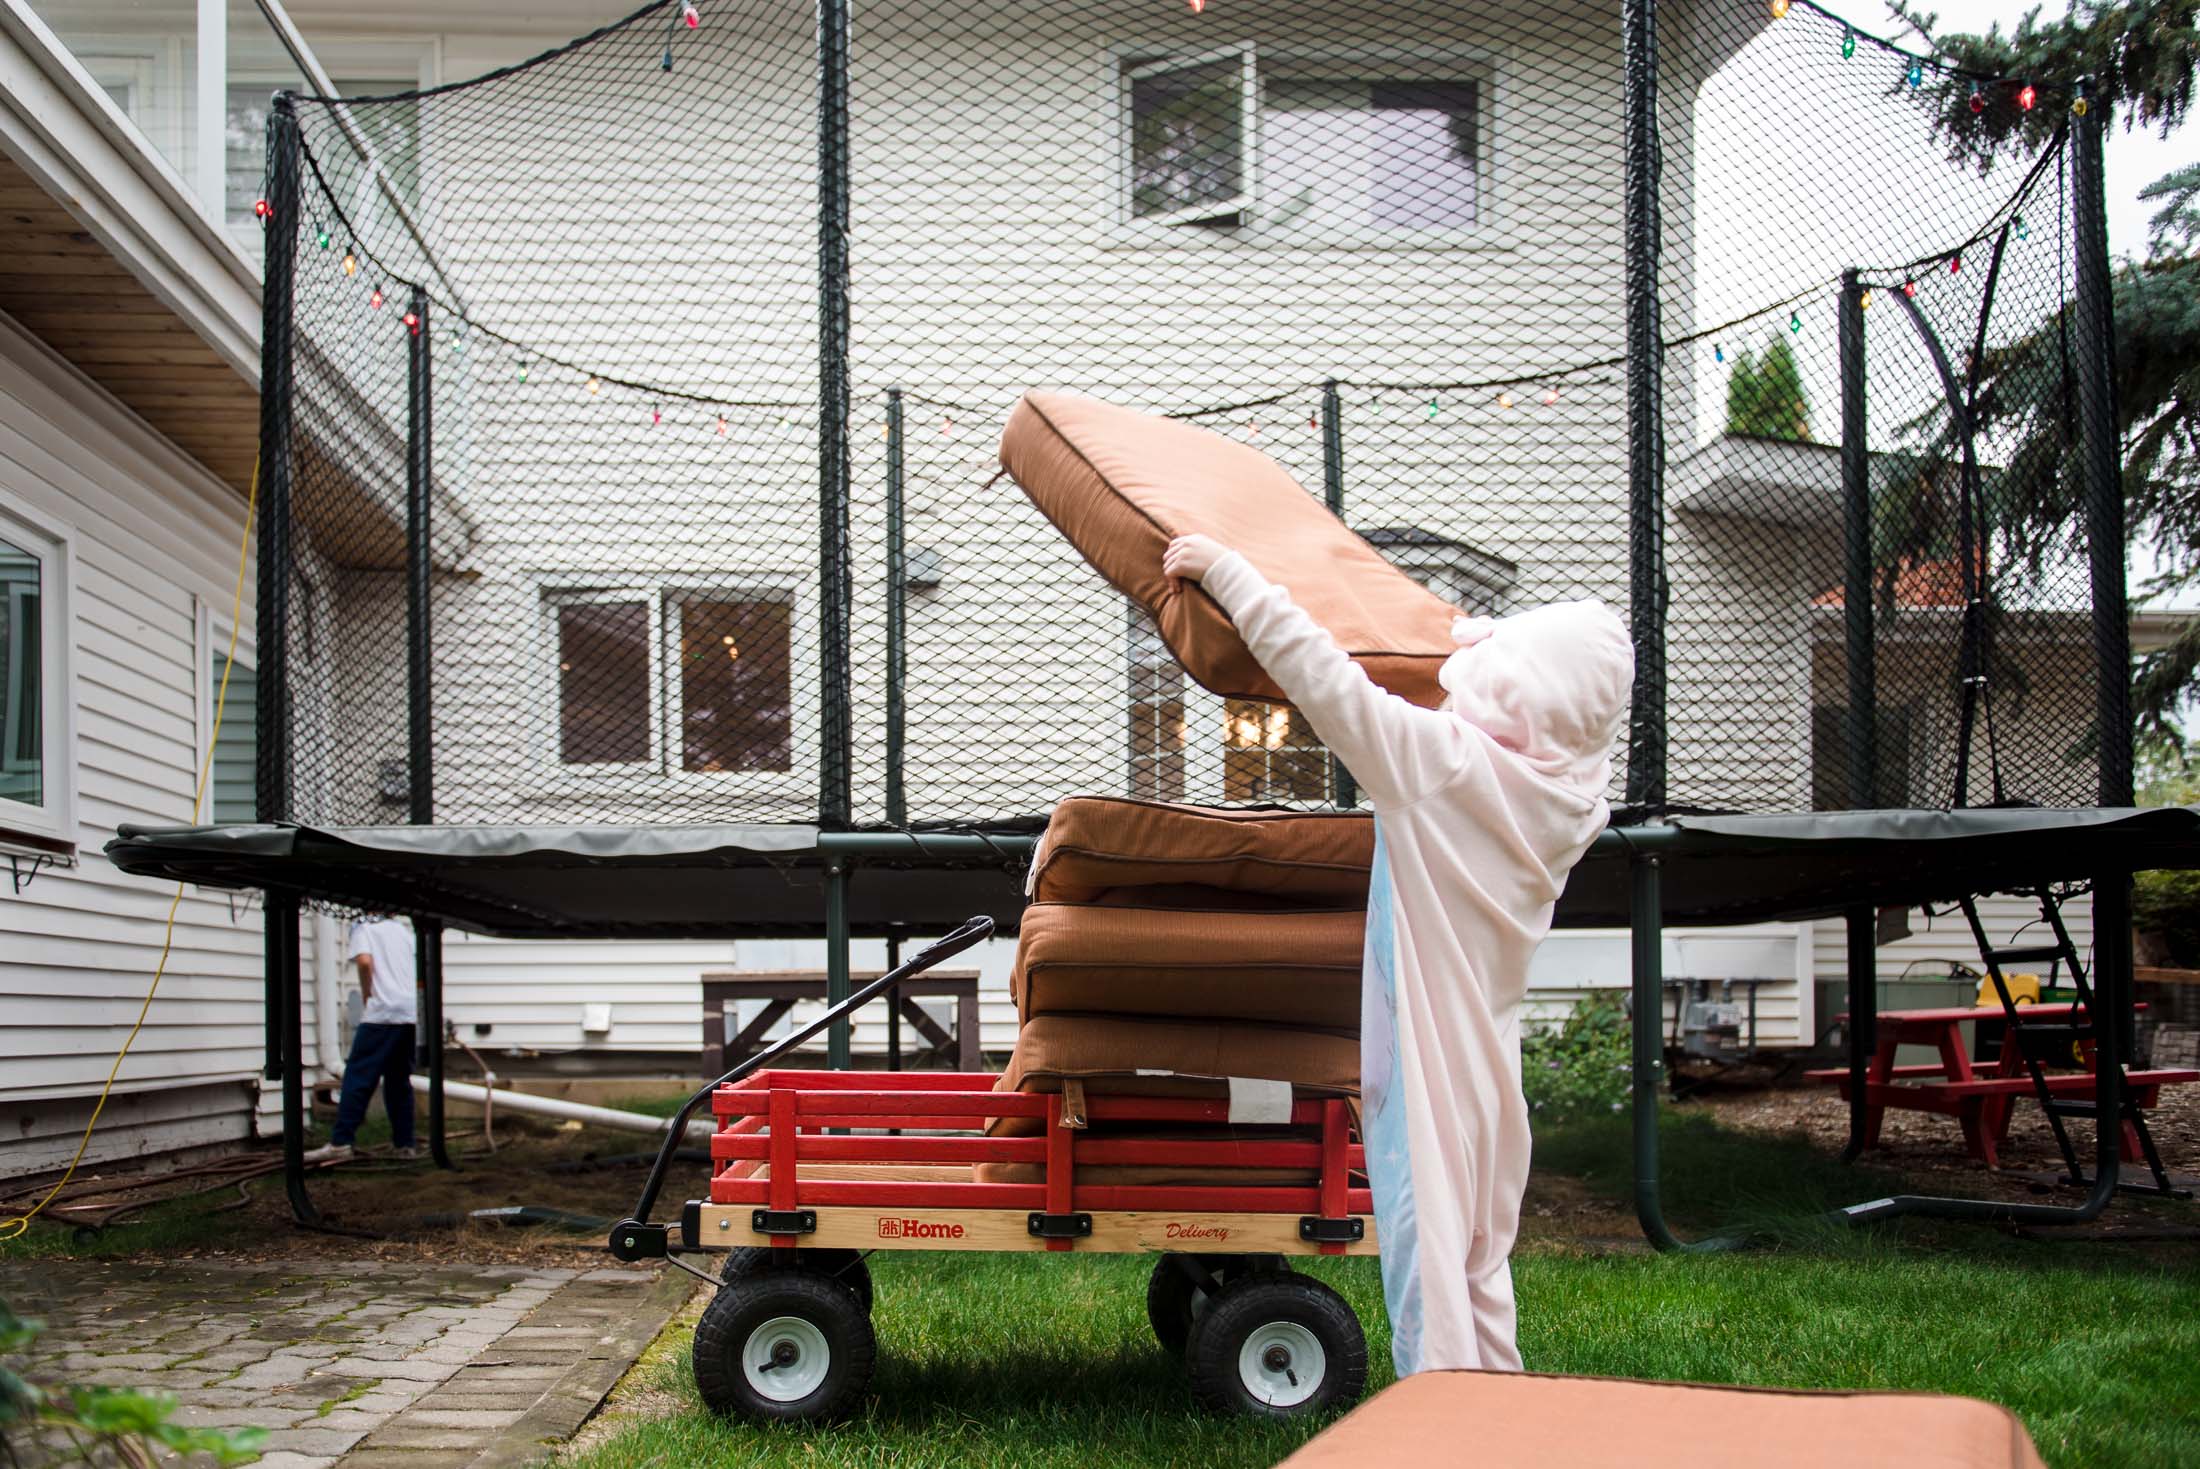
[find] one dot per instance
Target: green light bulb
(1432, 407)
(1848, 44)
(324, 239)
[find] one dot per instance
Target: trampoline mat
(769, 880)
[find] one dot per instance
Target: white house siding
(1944, 938)
(153, 544)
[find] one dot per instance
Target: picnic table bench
(1981, 1099)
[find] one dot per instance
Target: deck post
(836, 728)
(897, 618)
(1645, 351)
(1340, 779)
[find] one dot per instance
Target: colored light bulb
(1550, 397)
(594, 387)
(947, 427)
(1198, 6)
(2078, 105)
(262, 208)
(1779, 9)
(1312, 421)
(1864, 301)
(374, 299)
(690, 14)
(1505, 401)
(1848, 43)
(351, 263)
(1909, 289)
(656, 416)
(1915, 76)
(1432, 407)
(412, 322)
(523, 370)
(1955, 263)
(2024, 231)
(324, 239)
(721, 425)
(1978, 98)
(1795, 321)
(2028, 96)
(1718, 354)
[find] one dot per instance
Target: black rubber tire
(1255, 1303)
(844, 1267)
(738, 1310)
(1174, 1301)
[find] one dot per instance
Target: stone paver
(367, 1364)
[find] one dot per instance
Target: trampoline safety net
(631, 412)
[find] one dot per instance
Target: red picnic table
(1981, 1098)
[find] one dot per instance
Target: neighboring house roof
(1918, 584)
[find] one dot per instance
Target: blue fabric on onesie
(1389, 1161)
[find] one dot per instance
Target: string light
(1313, 421)
(412, 321)
(947, 426)
(523, 369)
(1795, 322)
(351, 263)
(262, 208)
(1955, 263)
(594, 387)
(1915, 76)
(1198, 6)
(374, 298)
(1550, 397)
(1864, 301)
(1978, 98)
(324, 239)
(721, 425)
(2024, 231)
(1432, 408)
(690, 14)
(2078, 105)
(1909, 289)
(656, 416)
(1779, 9)
(1718, 354)
(2027, 96)
(1505, 402)
(1848, 43)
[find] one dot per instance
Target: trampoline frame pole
(837, 872)
(428, 944)
(282, 958)
(1862, 715)
(1348, 791)
(420, 690)
(1645, 412)
(1863, 986)
(1646, 947)
(836, 733)
(897, 614)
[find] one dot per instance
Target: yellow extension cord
(10, 1228)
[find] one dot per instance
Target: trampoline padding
(1517, 1420)
(1120, 484)
(1097, 846)
(1297, 967)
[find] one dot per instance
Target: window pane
(1270, 754)
(232, 791)
(1187, 137)
(603, 683)
(392, 131)
(22, 693)
(736, 693)
(1424, 163)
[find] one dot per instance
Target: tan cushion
(1300, 967)
(1095, 846)
(1193, 1058)
(1119, 484)
(1509, 1420)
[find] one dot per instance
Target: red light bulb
(1198, 6)
(656, 416)
(1955, 265)
(1909, 288)
(1550, 398)
(412, 321)
(691, 15)
(2027, 95)
(375, 300)
(1978, 98)
(262, 208)
(721, 425)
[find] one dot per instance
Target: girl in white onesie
(1481, 809)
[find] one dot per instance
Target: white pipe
(511, 1101)
(328, 993)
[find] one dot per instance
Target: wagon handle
(636, 1238)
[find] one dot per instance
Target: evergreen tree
(1764, 395)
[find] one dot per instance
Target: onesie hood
(1549, 684)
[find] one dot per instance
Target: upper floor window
(1307, 153)
(392, 131)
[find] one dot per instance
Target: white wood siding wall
(153, 541)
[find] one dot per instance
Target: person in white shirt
(382, 1047)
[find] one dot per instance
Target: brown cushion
(1513, 1420)
(1193, 1058)
(1120, 484)
(1096, 846)
(1300, 967)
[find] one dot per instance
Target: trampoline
(643, 569)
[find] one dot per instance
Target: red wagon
(812, 1170)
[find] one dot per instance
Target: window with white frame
(34, 780)
(393, 132)
(232, 717)
(1307, 152)
(690, 679)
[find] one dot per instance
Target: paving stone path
(376, 1364)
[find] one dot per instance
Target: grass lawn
(1013, 1360)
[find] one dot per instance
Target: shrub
(1581, 1066)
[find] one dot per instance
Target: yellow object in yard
(2024, 989)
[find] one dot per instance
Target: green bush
(101, 1423)
(1580, 1067)
(2168, 903)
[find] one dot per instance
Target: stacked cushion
(1106, 848)
(1120, 485)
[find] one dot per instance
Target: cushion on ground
(1506, 1420)
(1127, 1056)
(1119, 484)
(1096, 847)
(1292, 968)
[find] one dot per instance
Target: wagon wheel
(1178, 1292)
(1275, 1345)
(783, 1345)
(844, 1267)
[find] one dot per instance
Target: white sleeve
(1395, 749)
(359, 949)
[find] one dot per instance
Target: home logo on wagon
(905, 1228)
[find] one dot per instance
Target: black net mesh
(1381, 241)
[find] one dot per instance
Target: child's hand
(1192, 557)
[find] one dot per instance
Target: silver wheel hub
(1282, 1364)
(786, 1359)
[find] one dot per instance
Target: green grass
(1014, 1360)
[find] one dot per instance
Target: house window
(232, 795)
(34, 621)
(1270, 754)
(392, 131)
(1156, 713)
(689, 679)
(1300, 153)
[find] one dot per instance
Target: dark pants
(384, 1054)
